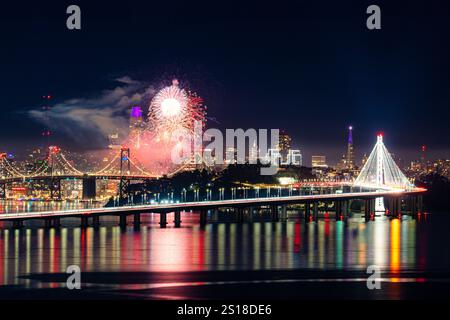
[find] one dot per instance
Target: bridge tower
(379, 202)
(46, 108)
(381, 172)
(55, 182)
(3, 173)
(125, 167)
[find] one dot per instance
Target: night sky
(311, 68)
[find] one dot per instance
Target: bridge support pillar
(137, 220)
(340, 209)
(47, 222)
(315, 211)
(56, 222)
(96, 221)
(84, 222)
(163, 219)
(399, 206)
(203, 217)
(177, 219)
(372, 208)
(274, 213)
(284, 213)
(215, 214)
(366, 210)
(345, 208)
(388, 206)
(411, 205)
(17, 224)
(396, 204)
(420, 204)
(123, 221)
(307, 212)
(251, 210)
(240, 214)
(414, 206)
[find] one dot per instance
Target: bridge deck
(204, 205)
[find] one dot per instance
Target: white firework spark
(174, 109)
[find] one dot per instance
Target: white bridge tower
(381, 173)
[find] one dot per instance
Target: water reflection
(14, 206)
(327, 244)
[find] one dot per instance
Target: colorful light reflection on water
(395, 245)
(230, 246)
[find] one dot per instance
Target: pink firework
(172, 109)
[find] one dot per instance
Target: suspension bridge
(380, 186)
(56, 167)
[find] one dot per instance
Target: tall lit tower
(350, 153)
(284, 144)
(423, 157)
(46, 133)
(136, 125)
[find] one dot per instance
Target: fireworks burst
(174, 109)
(171, 109)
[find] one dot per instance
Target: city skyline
(333, 155)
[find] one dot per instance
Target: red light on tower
(424, 148)
(54, 149)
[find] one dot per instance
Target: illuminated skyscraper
(253, 153)
(319, 162)
(364, 159)
(423, 157)
(230, 156)
(136, 125)
(350, 154)
(284, 144)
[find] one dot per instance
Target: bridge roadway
(203, 206)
